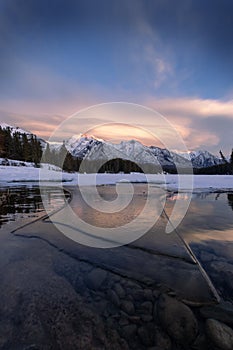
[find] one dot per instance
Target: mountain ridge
(88, 147)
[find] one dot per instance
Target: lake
(59, 294)
(207, 226)
(26, 202)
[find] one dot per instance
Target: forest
(19, 146)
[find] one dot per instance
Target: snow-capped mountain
(94, 149)
(91, 148)
(169, 159)
(202, 158)
(79, 146)
(129, 150)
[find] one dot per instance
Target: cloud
(203, 123)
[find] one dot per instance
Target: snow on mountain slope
(80, 146)
(170, 159)
(129, 150)
(202, 159)
(16, 129)
(89, 147)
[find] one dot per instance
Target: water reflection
(208, 229)
(230, 200)
(23, 201)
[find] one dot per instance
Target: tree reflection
(25, 200)
(230, 200)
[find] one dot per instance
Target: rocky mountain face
(91, 148)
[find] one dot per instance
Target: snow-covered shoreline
(10, 175)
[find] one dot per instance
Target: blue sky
(175, 56)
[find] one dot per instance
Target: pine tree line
(19, 146)
(226, 168)
(61, 158)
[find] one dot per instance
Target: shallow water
(207, 226)
(57, 294)
(26, 202)
(208, 229)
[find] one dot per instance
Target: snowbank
(11, 174)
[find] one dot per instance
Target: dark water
(53, 297)
(208, 229)
(22, 201)
(207, 226)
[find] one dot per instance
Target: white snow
(9, 175)
(12, 174)
(14, 129)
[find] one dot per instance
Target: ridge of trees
(19, 146)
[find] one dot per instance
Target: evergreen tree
(223, 157)
(8, 142)
(27, 156)
(17, 151)
(231, 158)
(2, 143)
(47, 154)
(62, 155)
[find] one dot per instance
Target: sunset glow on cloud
(168, 56)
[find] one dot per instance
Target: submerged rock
(113, 297)
(129, 331)
(225, 270)
(162, 340)
(95, 278)
(119, 290)
(177, 319)
(222, 312)
(128, 307)
(146, 335)
(219, 334)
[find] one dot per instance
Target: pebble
(113, 297)
(148, 294)
(177, 319)
(129, 331)
(146, 318)
(146, 308)
(138, 294)
(128, 307)
(219, 334)
(95, 278)
(119, 290)
(162, 340)
(145, 336)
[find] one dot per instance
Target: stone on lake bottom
(177, 320)
(128, 307)
(95, 278)
(219, 334)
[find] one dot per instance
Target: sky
(175, 56)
